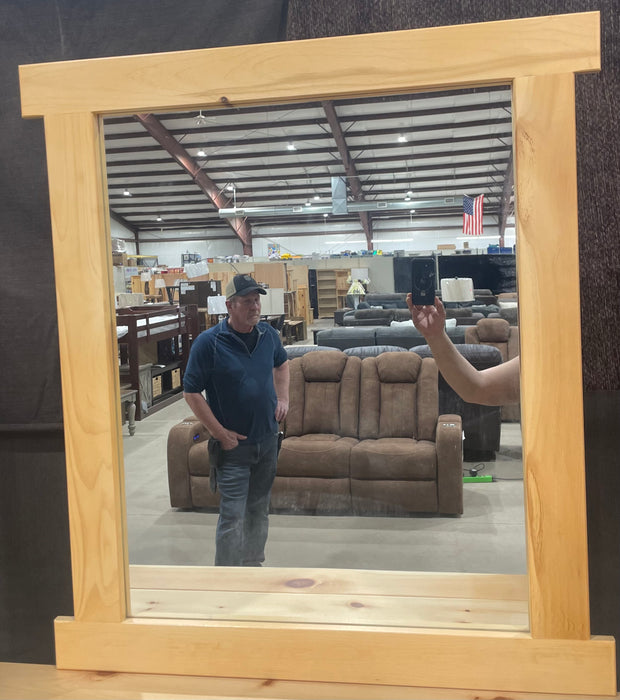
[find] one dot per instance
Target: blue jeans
(245, 476)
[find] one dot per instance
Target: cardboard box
(147, 353)
(119, 258)
(157, 386)
(176, 378)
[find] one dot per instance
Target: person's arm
(494, 386)
(281, 377)
(229, 439)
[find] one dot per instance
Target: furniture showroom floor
(488, 538)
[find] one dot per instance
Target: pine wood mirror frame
(538, 57)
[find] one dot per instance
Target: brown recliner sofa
(362, 437)
(498, 333)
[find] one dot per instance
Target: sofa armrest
(449, 440)
(180, 439)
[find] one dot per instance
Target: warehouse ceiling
(363, 165)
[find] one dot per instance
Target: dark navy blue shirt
(238, 383)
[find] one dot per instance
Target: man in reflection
(494, 386)
(243, 368)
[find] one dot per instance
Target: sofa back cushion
(324, 394)
(399, 397)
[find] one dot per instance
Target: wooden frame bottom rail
(451, 600)
(507, 661)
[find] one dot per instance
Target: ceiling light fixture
(291, 146)
(200, 119)
(308, 203)
(201, 153)
(402, 138)
(158, 218)
(316, 197)
(126, 193)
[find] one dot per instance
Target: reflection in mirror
(326, 203)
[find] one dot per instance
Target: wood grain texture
(27, 681)
(331, 581)
(335, 654)
(394, 611)
(91, 401)
(551, 387)
(384, 63)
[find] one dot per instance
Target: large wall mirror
(414, 156)
(551, 652)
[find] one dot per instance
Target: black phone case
(423, 281)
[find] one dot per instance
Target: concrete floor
(488, 538)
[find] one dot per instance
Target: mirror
(538, 56)
(409, 159)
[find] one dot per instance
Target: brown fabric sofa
(362, 437)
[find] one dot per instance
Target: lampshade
(160, 283)
(356, 288)
(457, 289)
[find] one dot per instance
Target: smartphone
(423, 281)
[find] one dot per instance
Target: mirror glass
(339, 198)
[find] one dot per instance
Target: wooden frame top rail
(417, 59)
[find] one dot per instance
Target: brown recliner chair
(498, 333)
(408, 459)
(320, 429)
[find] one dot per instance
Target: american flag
(472, 215)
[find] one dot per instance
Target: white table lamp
(457, 289)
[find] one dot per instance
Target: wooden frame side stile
(538, 57)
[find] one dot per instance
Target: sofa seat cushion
(291, 494)
(394, 459)
(316, 454)
(393, 498)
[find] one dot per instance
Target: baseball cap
(240, 285)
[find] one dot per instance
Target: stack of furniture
(498, 333)
(482, 425)
(362, 437)
(154, 344)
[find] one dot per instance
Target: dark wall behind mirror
(31, 392)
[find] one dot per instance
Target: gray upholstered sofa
(362, 437)
(406, 336)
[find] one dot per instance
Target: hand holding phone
(422, 281)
